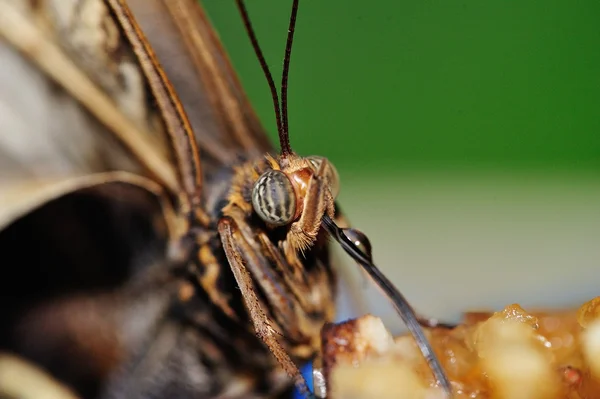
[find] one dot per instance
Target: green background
(431, 84)
(466, 134)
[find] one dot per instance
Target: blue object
(307, 373)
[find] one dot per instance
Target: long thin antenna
(284, 140)
(286, 68)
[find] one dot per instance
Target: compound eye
(332, 175)
(360, 241)
(274, 199)
(315, 161)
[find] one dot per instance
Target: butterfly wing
(73, 104)
(96, 155)
(187, 47)
(86, 173)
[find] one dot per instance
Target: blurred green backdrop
(466, 134)
(413, 84)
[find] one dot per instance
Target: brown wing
(87, 171)
(93, 147)
(73, 103)
(192, 55)
(90, 87)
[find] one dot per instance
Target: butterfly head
(296, 191)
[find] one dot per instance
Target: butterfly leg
(233, 240)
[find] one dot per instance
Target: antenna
(286, 67)
(280, 108)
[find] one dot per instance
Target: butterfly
(163, 247)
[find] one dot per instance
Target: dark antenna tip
(402, 306)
